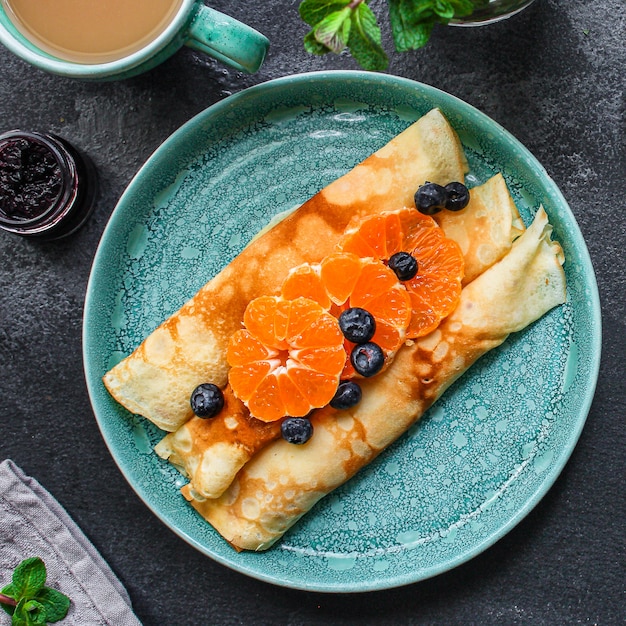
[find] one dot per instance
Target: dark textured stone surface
(554, 77)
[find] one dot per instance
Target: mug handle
(227, 40)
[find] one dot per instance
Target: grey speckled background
(554, 76)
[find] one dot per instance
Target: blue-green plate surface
(476, 464)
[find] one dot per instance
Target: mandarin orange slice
(343, 280)
(288, 358)
(436, 289)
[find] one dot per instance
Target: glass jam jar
(47, 187)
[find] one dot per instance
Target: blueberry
(404, 265)
(348, 394)
(367, 359)
(207, 400)
(430, 198)
(357, 325)
(458, 196)
(296, 430)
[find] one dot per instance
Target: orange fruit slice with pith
(344, 280)
(288, 358)
(436, 288)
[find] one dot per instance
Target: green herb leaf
(463, 8)
(333, 31)
(411, 22)
(29, 577)
(8, 593)
(32, 612)
(337, 23)
(313, 46)
(21, 616)
(314, 11)
(444, 9)
(365, 40)
(28, 600)
(55, 603)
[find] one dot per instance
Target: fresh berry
(430, 198)
(357, 325)
(404, 265)
(367, 359)
(348, 394)
(458, 196)
(296, 430)
(207, 400)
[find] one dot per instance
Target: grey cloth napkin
(33, 523)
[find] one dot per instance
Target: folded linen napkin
(33, 523)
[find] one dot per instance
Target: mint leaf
(415, 38)
(55, 603)
(313, 46)
(336, 23)
(32, 612)
(333, 31)
(20, 616)
(411, 22)
(7, 599)
(29, 577)
(444, 9)
(365, 40)
(314, 11)
(28, 600)
(463, 8)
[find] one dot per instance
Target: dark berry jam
(47, 188)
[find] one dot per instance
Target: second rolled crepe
(282, 482)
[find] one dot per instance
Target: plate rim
(565, 452)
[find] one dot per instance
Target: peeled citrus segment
(324, 360)
(288, 359)
(436, 289)
(294, 401)
(343, 280)
(245, 348)
(339, 273)
(304, 281)
(260, 322)
(247, 378)
(374, 280)
(382, 235)
(266, 401)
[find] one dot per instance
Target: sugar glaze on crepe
(211, 452)
(282, 482)
(189, 348)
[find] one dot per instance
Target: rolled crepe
(211, 452)
(485, 228)
(283, 481)
(189, 348)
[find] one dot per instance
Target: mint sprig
(27, 599)
(337, 25)
(340, 24)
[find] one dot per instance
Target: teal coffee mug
(188, 22)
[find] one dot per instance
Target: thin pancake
(282, 482)
(211, 452)
(485, 228)
(189, 348)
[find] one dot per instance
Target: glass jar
(47, 187)
(491, 11)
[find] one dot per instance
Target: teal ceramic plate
(476, 464)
